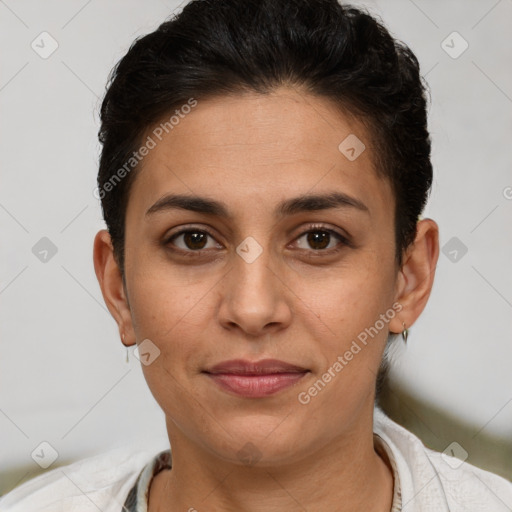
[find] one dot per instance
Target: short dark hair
(223, 47)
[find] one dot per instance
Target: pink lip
(255, 379)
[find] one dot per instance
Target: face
(258, 271)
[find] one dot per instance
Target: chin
(261, 441)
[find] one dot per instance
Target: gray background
(63, 374)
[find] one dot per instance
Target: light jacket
(117, 481)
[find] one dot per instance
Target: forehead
(256, 147)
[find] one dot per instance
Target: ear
(112, 286)
(416, 277)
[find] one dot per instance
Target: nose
(254, 297)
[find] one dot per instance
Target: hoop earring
(405, 333)
(122, 338)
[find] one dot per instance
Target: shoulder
(433, 481)
(101, 482)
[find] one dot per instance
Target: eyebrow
(304, 203)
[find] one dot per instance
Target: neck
(345, 475)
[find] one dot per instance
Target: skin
(292, 303)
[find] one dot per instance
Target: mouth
(255, 379)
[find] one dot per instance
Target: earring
(122, 337)
(405, 333)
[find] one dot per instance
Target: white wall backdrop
(63, 375)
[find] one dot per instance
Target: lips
(264, 367)
(255, 379)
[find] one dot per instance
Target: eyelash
(311, 229)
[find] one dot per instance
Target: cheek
(174, 309)
(173, 318)
(162, 304)
(347, 325)
(345, 301)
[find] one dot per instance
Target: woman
(264, 168)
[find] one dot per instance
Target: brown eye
(192, 240)
(320, 240)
